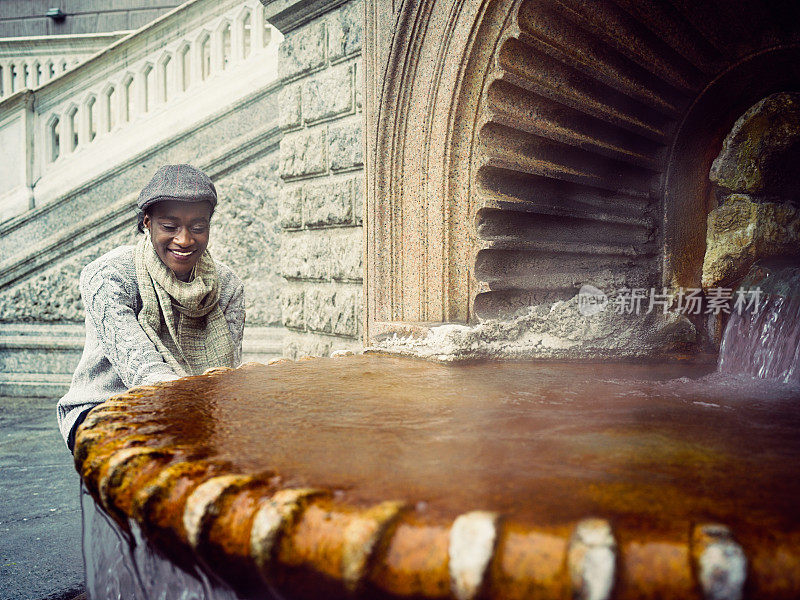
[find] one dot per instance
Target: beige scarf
(183, 320)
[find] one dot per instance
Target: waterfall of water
(763, 340)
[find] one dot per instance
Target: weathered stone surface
(302, 50)
(334, 254)
(291, 207)
(345, 29)
(347, 258)
(332, 310)
(311, 344)
(329, 203)
(53, 295)
(742, 231)
(344, 144)
(245, 235)
(761, 153)
(289, 107)
(328, 93)
(297, 346)
(555, 330)
(303, 153)
(292, 308)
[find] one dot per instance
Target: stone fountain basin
(387, 476)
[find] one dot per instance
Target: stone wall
(321, 166)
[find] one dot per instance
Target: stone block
(328, 203)
(298, 345)
(290, 114)
(334, 254)
(328, 93)
(742, 231)
(344, 145)
(290, 207)
(292, 302)
(758, 154)
(332, 310)
(303, 153)
(291, 260)
(302, 50)
(347, 255)
(345, 30)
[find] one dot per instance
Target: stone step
(40, 385)
(38, 359)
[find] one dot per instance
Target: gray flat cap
(178, 182)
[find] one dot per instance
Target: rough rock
(742, 231)
(552, 331)
(760, 154)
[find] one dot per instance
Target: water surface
(654, 448)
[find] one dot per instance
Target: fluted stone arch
(517, 148)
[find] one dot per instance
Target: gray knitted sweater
(118, 354)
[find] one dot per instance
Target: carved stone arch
(517, 149)
(421, 113)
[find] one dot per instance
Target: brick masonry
(321, 200)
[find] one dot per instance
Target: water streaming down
(764, 341)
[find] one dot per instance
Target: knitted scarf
(183, 320)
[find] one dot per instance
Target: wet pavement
(40, 519)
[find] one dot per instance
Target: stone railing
(30, 62)
(142, 89)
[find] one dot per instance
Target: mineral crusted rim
(378, 547)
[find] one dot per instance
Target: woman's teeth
(180, 253)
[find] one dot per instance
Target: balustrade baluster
(246, 33)
(183, 66)
(258, 27)
(217, 49)
(5, 82)
(163, 78)
(203, 56)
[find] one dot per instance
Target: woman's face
(179, 232)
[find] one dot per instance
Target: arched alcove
(519, 149)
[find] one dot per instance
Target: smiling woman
(159, 310)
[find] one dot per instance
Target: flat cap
(178, 182)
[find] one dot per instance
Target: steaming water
(765, 343)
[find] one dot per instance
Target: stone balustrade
(141, 90)
(30, 62)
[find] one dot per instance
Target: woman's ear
(146, 221)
